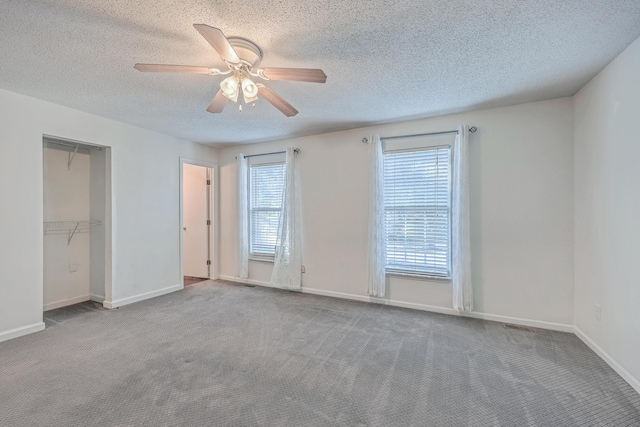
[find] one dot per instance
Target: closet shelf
(69, 227)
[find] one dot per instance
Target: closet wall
(66, 198)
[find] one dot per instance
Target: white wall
(607, 210)
(521, 210)
(145, 202)
(66, 198)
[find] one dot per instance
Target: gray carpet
(221, 354)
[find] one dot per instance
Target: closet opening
(197, 222)
(77, 226)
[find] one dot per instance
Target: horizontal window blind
(417, 199)
(266, 190)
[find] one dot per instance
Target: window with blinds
(266, 186)
(417, 202)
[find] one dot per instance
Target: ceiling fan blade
(295, 74)
(219, 42)
(159, 68)
(276, 100)
(218, 103)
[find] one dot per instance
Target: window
(266, 184)
(417, 201)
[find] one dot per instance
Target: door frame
(213, 209)
(108, 214)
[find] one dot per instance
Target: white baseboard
(633, 381)
(424, 307)
(246, 281)
(141, 297)
(540, 324)
(66, 302)
(18, 332)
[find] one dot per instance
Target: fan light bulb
(229, 87)
(249, 90)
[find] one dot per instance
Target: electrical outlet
(73, 266)
(598, 312)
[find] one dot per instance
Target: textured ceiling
(385, 60)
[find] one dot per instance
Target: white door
(195, 211)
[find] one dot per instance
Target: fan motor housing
(248, 52)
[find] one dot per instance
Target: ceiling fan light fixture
(242, 57)
(229, 87)
(249, 90)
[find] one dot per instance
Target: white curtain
(460, 245)
(288, 257)
(376, 257)
(242, 226)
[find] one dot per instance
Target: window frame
(267, 160)
(424, 143)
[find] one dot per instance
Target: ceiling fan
(242, 57)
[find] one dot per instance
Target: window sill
(261, 259)
(418, 276)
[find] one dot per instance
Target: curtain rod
(296, 150)
(472, 129)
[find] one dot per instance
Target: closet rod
(472, 129)
(70, 144)
(296, 150)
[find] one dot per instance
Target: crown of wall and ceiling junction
(386, 61)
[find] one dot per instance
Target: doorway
(77, 223)
(197, 222)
